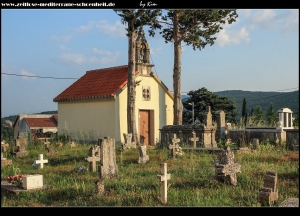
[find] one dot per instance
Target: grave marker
(163, 182)
(21, 143)
(94, 157)
(269, 193)
(4, 146)
(4, 161)
(194, 139)
(143, 154)
(40, 162)
(226, 169)
(173, 147)
(108, 166)
(32, 181)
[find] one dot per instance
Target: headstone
(144, 158)
(226, 169)
(255, 143)
(108, 167)
(4, 161)
(244, 150)
(268, 194)
(59, 144)
(194, 139)
(21, 143)
(163, 182)
(32, 181)
(94, 157)
(72, 144)
(173, 147)
(128, 141)
(4, 146)
(47, 144)
(99, 187)
(40, 162)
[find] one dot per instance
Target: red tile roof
(41, 122)
(97, 83)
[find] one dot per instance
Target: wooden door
(145, 125)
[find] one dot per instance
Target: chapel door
(144, 116)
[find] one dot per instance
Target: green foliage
(259, 116)
(244, 112)
(272, 115)
(203, 98)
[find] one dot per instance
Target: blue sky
(259, 52)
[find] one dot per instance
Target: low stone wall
(292, 139)
(245, 136)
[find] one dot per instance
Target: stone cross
(174, 146)
(163, 179)
(226, 169)
(41, 161)
(269, 193)
(47, 144)
(4, 146)
(94, 157)
(194, 139)
(143, 155)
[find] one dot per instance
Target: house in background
(39, 126)
(96, 104)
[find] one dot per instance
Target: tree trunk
(131, 123)
(177, 73)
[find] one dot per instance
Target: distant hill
(253, 98)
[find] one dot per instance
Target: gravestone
(209, 133)
(268, 194)
(4, 146)
(21, 143)
(163, 182)
(4, 161)
(108, 167)
(128, 141)
(194, 139)
(99, 187)
(244, 150)
(94, 157)
(255, 143)
(226, 169)
(40, 162)
(59, 144)
(291, 202)
(72, 144)
(47, 144)
(173, 147)
(32, 181)
(144, 158)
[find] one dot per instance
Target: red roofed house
(40, 126)
(96, 104)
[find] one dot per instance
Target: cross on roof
(41, 161)
(194, 139)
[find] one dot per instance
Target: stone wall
(292, 139)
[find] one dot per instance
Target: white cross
(41, 161)
(163, 179)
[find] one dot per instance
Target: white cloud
(155, 51)
(117, 29)
(228, 37)
(27, 75)
(104, 58)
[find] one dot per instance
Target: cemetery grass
(191, 183)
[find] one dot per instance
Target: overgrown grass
(191, 182)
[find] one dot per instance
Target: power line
(36, 76)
